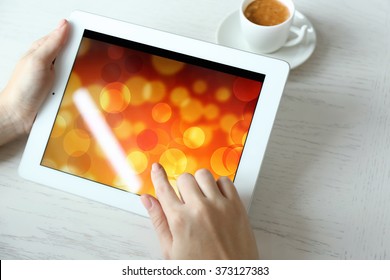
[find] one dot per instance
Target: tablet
(127, 96)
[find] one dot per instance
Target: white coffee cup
(268, 39)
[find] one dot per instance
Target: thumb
(48, 47)
(160, 223)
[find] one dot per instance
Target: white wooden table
(324, 189)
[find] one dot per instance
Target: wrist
(11, 126)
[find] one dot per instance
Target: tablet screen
(127, 105)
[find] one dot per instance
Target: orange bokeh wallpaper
(136, 108)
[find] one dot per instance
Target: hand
(208, 222)
(31, 81)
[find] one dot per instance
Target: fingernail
(61, 23)
(155, 167)
(225, 178)
(146, 201)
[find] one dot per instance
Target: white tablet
(127, 96)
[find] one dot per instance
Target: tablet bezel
(275, 71)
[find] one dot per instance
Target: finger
(159, 221)
(164, 191)
(227, 188)
(207, 183)
(49, 46)
(188, 188)
(38, 43)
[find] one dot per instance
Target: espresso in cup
(267, 24)
(267, 12)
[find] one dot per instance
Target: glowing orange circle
(138, 160)
(79, 165)
(191, 110)
(154, 91)
(227, 122)
(232, 158)
(111, 72)
(174, 162)
(166, 66)
(147, 140)
(246, 90)
(115, 52)
(161, 112)
(217, 162)
(239, 130)
(223, 94)
(123, 130)
(136, 85)
(74, 84)
(115, 97)
(194, 137)
(59, 126)
(224, 161)
(179, 96)
(199, 86)
(211, 111)
(76, 142)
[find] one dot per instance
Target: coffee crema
(267, 12)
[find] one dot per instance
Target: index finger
(164, 191)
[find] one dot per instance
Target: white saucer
(229, 35)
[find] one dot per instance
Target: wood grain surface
(324, 187)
